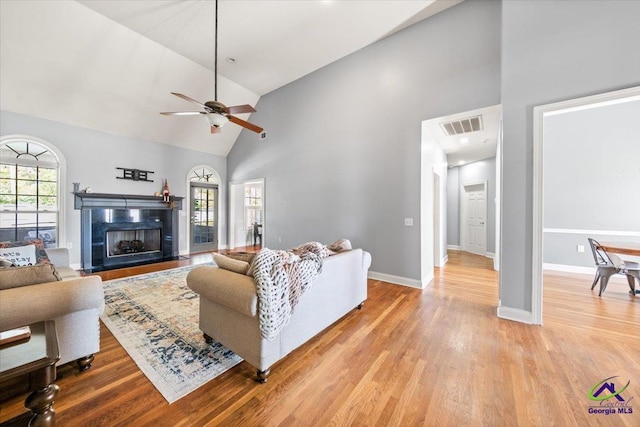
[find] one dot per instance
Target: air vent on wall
(456, 127)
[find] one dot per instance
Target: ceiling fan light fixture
(216, 120)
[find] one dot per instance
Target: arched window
(204, 174)
(29, 191)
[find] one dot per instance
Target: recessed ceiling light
(461, 162)
(231, 59)
(464, 140)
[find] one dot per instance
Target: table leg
(40, 403)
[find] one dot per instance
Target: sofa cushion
(20, 255)
(26, 247)
(227, 263)
(14, 277)
(340, 245)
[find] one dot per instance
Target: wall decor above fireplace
(121, 230)
(134, 174)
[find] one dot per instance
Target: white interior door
(475, 218)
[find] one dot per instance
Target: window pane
(7, 226)
(47, 203)
(46, 174)
(27, 187)
(27, 203)
(27, 172)
(7, 201)
(47, 188)
(6, 170)
(26, 220)
(47, 220)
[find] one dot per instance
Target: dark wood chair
(257, 233)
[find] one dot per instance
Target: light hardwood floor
(432, 357)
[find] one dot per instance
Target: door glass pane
(204, 215)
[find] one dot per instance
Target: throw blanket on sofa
(281, 278)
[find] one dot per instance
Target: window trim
(62, 180)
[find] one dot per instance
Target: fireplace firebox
(123, 230)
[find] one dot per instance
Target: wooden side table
(36, 357)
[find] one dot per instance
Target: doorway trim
(231, 222)
(539, 113)
(439, 260)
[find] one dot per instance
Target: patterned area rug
(155, 318)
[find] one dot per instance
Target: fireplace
(123, 230)
(132, 242)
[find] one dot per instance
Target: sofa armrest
(58, 256)
(29, 304)
(230, 289)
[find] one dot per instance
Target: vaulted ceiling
(111, 65)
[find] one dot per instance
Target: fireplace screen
(132, 242)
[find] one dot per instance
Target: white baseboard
(77, 266)
(453, 247)
(490, 255)
(515, 314)
(396, 280)
(569, 268)
(444, 260)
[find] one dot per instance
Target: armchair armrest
(29, 304)
(58, 256)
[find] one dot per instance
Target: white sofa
(229, 307)
(74, 304)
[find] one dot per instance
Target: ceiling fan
(216, 113)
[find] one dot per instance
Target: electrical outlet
(69, 245)
(580, 248)
(262, 135)
(279, 239)
(408, 222)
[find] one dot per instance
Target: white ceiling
(467, 147)
(273, 42)
(110, 65)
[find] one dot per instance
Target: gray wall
(591, 180)
(342, 156)
(552, 51)
(472, 173)
(92, 157)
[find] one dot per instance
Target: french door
(204, 217)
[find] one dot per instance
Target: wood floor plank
(433, 357)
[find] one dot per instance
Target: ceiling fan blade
(182, 113)
(247, 125)
(186, 98)
(215, 129)
(239, 109)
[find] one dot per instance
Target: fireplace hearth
(124, 230)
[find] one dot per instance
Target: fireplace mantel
(124, 201)
(129, 218)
